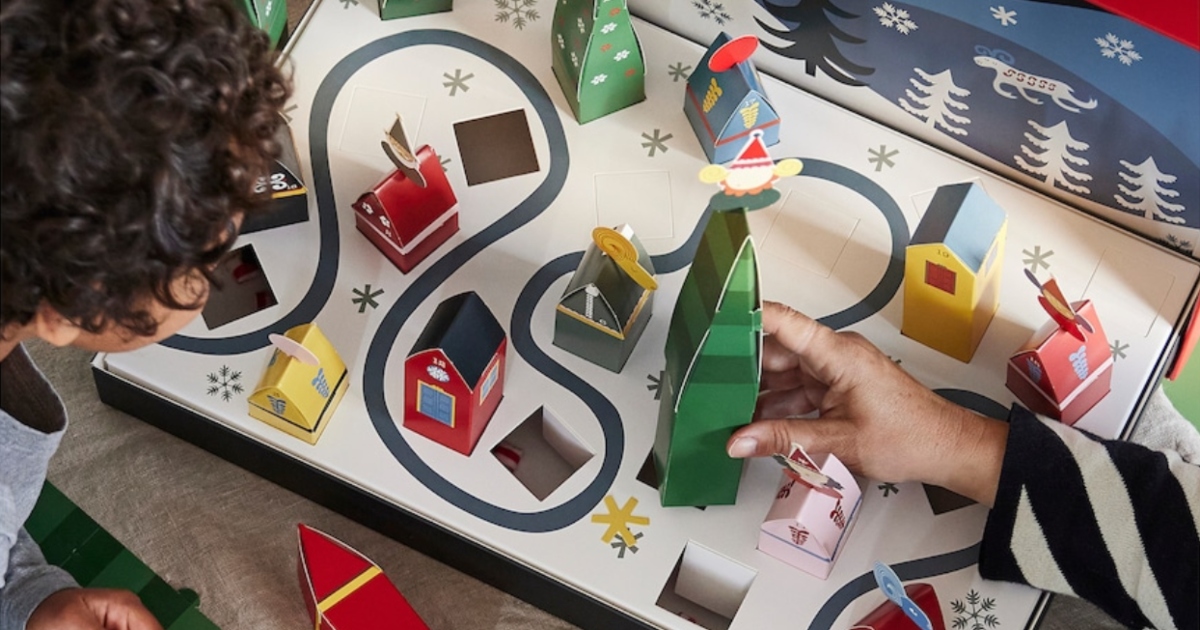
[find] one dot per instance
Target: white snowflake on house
(892, 17)
(599, 78)
(579, 23)
(621, 55)
(1114, 47)
(608, 28)
(561, 43)
(384, 221)
(574, 60)
(1007, 18)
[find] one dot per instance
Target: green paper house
(597, 57)
(270, 16)
(710, 386)
(391, 9)
(70, 539)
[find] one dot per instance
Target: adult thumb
(763, 438)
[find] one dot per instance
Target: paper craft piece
(606, 305)
(392, 9)
(952, 270)
(907, 607)
(710, 384)
(750, 179)
(72, 540)
(1066, 366)
(807, 526)
(597, 57)
(344, 590)
(804, 470)
(725, 99)
(241, 289)
(303, 384)
(454, 374)
(271, 17)
(289, 195)
(413, 210)
(496, 147)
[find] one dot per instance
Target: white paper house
(808, 529)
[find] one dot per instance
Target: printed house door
(436, 404)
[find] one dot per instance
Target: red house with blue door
(454, 375)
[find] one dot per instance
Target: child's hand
(92, 609)
(876, 418)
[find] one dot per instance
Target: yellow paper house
(952, 270)
(303, 384)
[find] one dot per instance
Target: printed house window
(435, 403)
(939, 277)
(489, 382)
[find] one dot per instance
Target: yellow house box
(303, 384)
(952, 270)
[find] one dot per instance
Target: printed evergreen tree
(1147, 195)
(1056, 145)
(597, 57)
(940, 94)
(814, 38)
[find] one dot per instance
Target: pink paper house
(807, 528)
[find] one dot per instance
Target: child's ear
(53, 328)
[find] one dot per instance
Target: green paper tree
(597, 57)
(392, 9)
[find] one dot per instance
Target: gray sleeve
(28, 581)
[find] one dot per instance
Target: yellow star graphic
(619, 520)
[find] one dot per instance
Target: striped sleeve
(1111, 522)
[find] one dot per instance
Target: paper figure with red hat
(748, 182)
(344, 590)
(725, 100)
(1066, 366)
(413, 210)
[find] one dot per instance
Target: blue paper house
(725, 100)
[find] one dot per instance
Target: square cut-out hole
(496, 147)
(706, 587)
(643, 200)
(808, 235)
(241, 289)
(542, 453)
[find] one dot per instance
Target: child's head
(133, 132)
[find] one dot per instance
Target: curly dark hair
(133, 132)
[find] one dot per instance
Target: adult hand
(92, 609)
(877, 419)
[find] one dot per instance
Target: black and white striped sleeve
(1111, 522)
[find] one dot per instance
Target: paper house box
(289, 195)
(604, 308)
(454, 375)
(710, 385)
(1060, 375)
(725, 100)
(271, 17)
(597, 57)
(889, 616)
(413, 210)
(952, 270)
(303, 384)
(806, 528)
(392, 9)
(344, 590)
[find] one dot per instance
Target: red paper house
(454, 375)
(889, 616)
(413, 210)
(346, 591)
(1066, 367)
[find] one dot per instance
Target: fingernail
(743, 447)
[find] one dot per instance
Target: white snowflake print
(581, 25)
(599, 78)
(384, 221)
(608, 28)
(574, 60)
(1114, 47)
(1007, 18)
(891, 17)
(621, 55)
(561, 43)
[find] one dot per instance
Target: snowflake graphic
(711, 10)
(889, 488)
(1118, 349)
(521, 12)
(657, 142)
(574, 60)
(1036, 258)
(599, 78)
(891, 17)
(1181, 245)
(346, 3)
(581, 25)
(678, 71)
(621, 55)
(444, 161)
(1114, 47)
(608, 28)
(620, 545)
(619, 519)
(656, 383)
(973, 614)
(225, 382)
(1007, 18)
(457, 82)
(561, 43)
(366, 297)
(882, 157)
